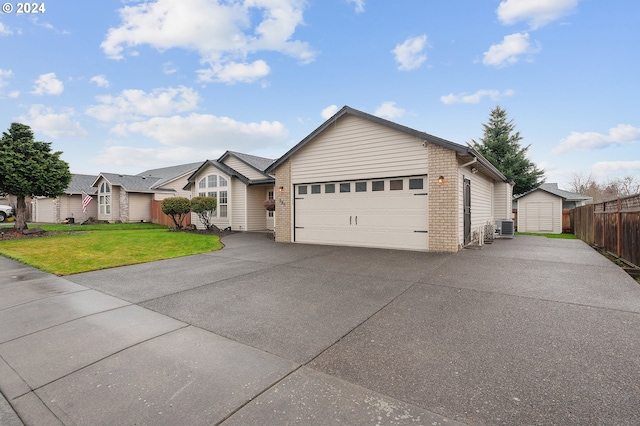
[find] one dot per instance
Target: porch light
(440, 180)
(281, 189)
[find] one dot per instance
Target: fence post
(619, 228)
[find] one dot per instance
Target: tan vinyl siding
(502, 200)
(140, 207)
(71, 206)
(256, 213)
(244, 169)
(355, 148)
(177, 185)
(481, 201)
(540, 212)
(237, 209)
(115, 203)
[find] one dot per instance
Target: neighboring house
(360, 180)
(68, 205)
(127, 198)
(540, 210)
(241, 185)
(116, 197)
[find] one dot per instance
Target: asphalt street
(527, 330)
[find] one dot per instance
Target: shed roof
(552, 188)
(462, 149)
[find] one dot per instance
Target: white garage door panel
(385, 219)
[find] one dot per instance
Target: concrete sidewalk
(524, 331)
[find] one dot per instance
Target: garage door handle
(356, 220)
(350, 220)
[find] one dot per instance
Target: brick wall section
(283, 202)
(443, 200)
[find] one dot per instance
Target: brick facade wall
(443, 200)
(284, 199)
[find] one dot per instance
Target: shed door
(386, 213)
(539, 216)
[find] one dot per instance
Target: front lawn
(560, 236)
(83, 248)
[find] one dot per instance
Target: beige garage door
(386, 213)
(539, 216)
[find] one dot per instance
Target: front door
(467, 211)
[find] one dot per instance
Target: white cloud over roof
(389, 110)
(410, 53)
(223, 33)
(512, 48)
(47, 84)
(53, 123)
(586, 141)
(474, 98)
(536, 12)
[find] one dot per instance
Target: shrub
(177, 209)
(269, 205)
(204, 207)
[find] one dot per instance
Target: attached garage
(383, 212)
(360, 180)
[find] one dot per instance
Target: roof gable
(552, 188)
(416, 133)
(80, 184)
(168, 174)
(130, 183)
(260, 164)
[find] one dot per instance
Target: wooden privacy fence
(157, 216)
(611, 225)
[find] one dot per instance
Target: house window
(302, 190)
(416, 183)
(202, 194)
(212, 181)
(222, 204)
(377, 185)
(315, 189)
(395, 185)
(361, 186)
(104, 198)
(270, 197)
(213, 194)
(345, 187)
(329, 188)
(202, 183)
(222, 181)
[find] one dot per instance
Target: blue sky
(124, 86)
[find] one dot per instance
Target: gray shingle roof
(552, 188)
(258, 163)
(80, 184)
(167, 174)
(132, 183)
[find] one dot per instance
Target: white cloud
(150, 158)
(474, 98)
(223, 33)
(206, 130)
(235, 72)
(169, 68)
(329, 111)
(47, 84)
(359, 4)
(616, 168)
(4, 76)
(538, 13)
(54, 124)
(389, 110)
(587, 141)
(410, 53)
(100, 80)
(14, 94)
(132, 104)
(4, 30)
(512, 48)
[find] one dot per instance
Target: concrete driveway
(523, 331)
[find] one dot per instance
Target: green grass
(106, 246)
(560, 236)
(59, 227)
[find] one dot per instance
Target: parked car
(5, 212)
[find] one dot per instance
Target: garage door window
(315, 189)
(302, 190)
(395, 185)
(361, 186)
(345, 187)
(377, 185)
(329, 188)
(416, 183)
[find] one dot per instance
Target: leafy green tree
(205, 207)
(177, 209)
(29, 169)
(501, 146)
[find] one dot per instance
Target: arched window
(104, 198)
(215, 186)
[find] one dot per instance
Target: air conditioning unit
(504, 228)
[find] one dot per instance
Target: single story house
(540, 210)
(115, 197)
(241, 185)
(360, 180)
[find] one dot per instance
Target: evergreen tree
(29, 168)
(501, 146)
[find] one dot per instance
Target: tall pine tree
(501, 146)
